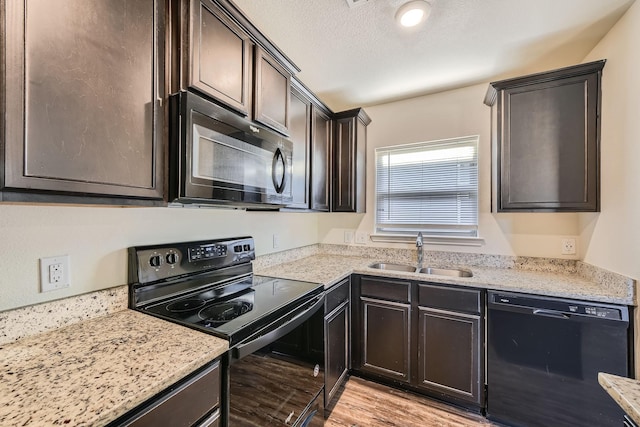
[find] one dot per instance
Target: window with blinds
(430, 187)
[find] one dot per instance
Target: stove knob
(172, 258)
(155, 261)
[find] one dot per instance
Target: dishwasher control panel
(551, 306)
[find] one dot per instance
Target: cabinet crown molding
(571, 71)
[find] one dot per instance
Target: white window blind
(430, 187)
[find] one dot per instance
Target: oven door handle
(256, 344)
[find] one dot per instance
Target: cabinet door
(219, 60)
(349, 158)
(385, 332)
(83, 89)
(320, 159)
(344, 191)
(300, 133)
(272, 92)
(337, 350)
(449, 354)
(548, 141)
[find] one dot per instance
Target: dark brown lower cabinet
(193, 401)
(336, 331)
(382, 328)
(449, 350)
(425, 337)
(450, 339)
(386, 338)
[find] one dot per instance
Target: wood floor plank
(362, 403)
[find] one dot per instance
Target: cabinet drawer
(386, 289)
(336, 295)
(186, 404)
(448, 298)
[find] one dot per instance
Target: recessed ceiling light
(413, 13)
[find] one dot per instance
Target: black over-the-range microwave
(219, 157)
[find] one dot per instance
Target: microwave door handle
(278, 181)
(254, 345)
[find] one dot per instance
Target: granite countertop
(92, 372)
(625, 391)
(329, 269)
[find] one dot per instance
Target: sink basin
(451, 272)
(445, 272)
(394, 267)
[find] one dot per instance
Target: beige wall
(452, 114)
(613, 237)
(96, 239)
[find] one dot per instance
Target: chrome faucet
(419, 246)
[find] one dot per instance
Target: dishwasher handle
(551, 313)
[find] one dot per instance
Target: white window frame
(450, 233)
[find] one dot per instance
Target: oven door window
(282, 384)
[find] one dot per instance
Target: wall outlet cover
(348, 236)
(361, 237)
(568, 246)
(54, 273)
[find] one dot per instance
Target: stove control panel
(159, 262)
(198, 253)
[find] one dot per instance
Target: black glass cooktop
(235, 310)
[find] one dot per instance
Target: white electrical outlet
(361, 237)
(568, 246)
(54, 273)
(276, 241)
(348, 236)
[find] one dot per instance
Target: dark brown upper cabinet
(219, 53)
(548, 140)
(300, 135)
(216, 54)
(349, 161)
(272, 90)
(82, 93)
(321, 139)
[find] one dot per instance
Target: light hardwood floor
(363, 403)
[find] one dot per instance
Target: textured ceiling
(358, 56)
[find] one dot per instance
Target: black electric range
(209, 285)
(272, 375)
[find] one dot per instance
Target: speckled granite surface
(329, 269)
(625, 391)
(268, 260)
(35, 319)
(89, 373)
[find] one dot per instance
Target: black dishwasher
(543, 359)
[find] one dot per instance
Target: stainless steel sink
(452, 272)
(394, 267)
